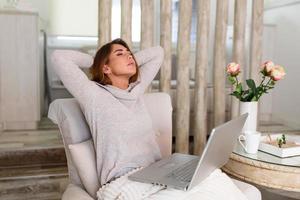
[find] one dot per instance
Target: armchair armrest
(251, 192)
(74, 192)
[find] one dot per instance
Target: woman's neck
(120, 83)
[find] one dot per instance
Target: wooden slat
(240, 14)
(147, 24)
(200, 120)
(220, 62)
(147, 27)
(182, 94)
(166, 43)
(104, 22)
(126, 18)
(256, 38)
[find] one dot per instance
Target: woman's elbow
(56, 55)
(159, 52)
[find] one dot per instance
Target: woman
(121, 127)
(111, 102)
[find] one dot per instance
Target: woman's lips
(130, 64)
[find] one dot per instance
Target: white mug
(252, 140)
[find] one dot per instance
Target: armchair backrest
(66, 113)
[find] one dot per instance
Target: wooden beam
(147, 27)
(240, 13)
(147, 24)
(256, 38)
(200, 108)
(104, 22)
(183, 91)
(166, 43)
(126, 19)
(220, 62)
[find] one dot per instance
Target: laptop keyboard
(186, 171)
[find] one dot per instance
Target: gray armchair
(80, 151)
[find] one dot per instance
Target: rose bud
(268, 66)
(277, 73)
(233, 69)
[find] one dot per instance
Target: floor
(271, 196)
(33, 163)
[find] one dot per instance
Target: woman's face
(120, 62)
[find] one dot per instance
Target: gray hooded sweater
(120, 124)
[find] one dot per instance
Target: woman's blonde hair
(102, 58)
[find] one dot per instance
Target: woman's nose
(129, 56)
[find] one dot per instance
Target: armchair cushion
(84, 159)
(66, 113)
(161, 114)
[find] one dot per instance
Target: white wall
(286, 95)
(73, 17)
(79, 18)
(41, 7)
(63, 17)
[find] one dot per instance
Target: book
(269, 145)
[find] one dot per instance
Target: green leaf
(236, 94)
(260, 90)
(264, 73)
(239, 88)
(251, 96)
(248, 95)
(272, 83)
(252, 86)
(231, 80)
(255, 98)
(283, 138)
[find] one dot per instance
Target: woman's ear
(106, 69)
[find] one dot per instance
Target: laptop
(183, 171)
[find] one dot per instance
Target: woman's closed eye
(120, 54)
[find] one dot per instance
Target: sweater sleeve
(149, 61)
(66, 64)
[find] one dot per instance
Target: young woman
(111, 102)
(121, 127)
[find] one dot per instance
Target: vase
(251, 109)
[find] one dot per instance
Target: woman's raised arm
(149, 61)
(66, 64)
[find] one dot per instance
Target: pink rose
(277, 73)
(268, 66)
(233, 69)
